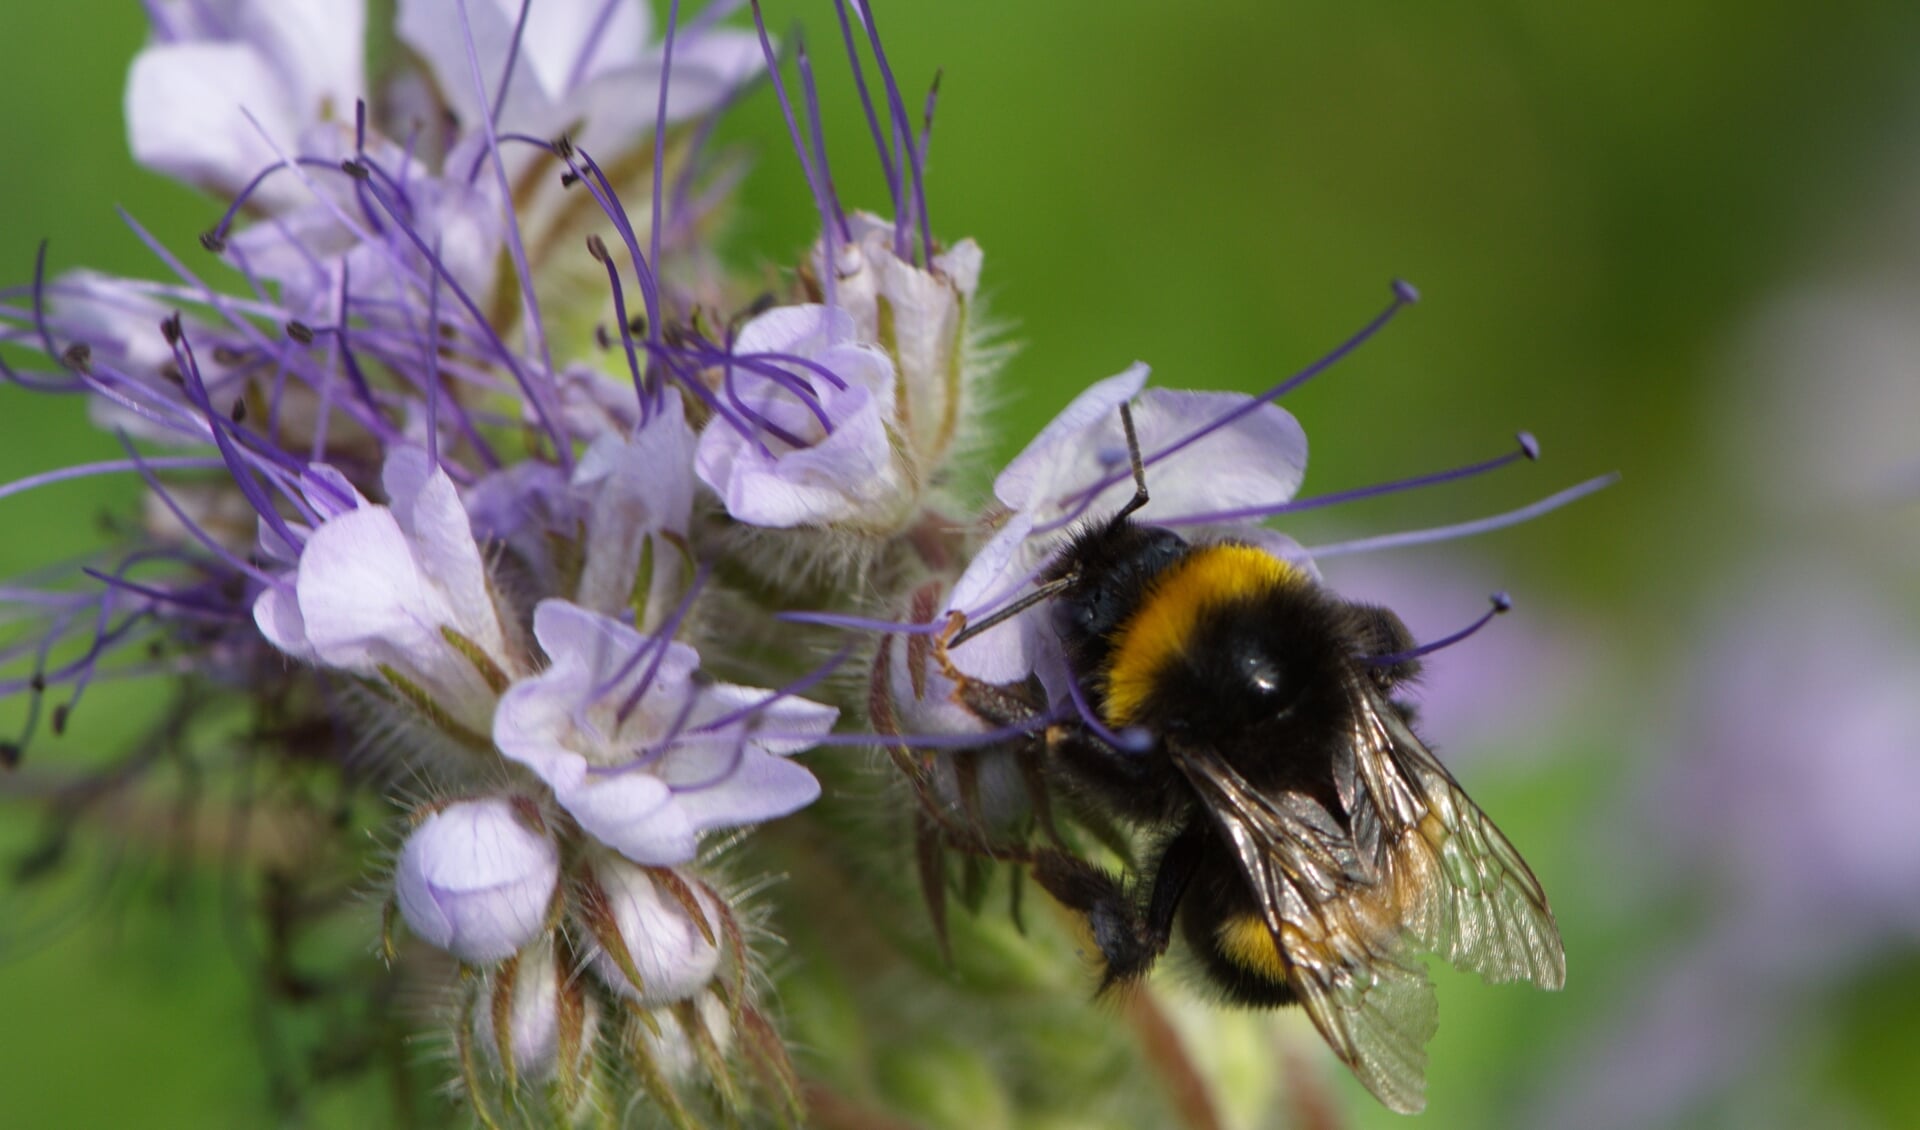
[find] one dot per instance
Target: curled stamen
(1501, 604)
(1133, 739)
(903, 126)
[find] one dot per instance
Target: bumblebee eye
(1261, 675)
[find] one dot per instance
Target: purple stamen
(237, 468)
(816, 182)
(1403, 295)
(598, 186)
(904, 127)
(597, 247)
(1529, 449)
(513, 56)
(810, 94)
(880, 142)
(215, 239)
(862, 623)
(660, 131)
(192, 527)
(1501, 602)
(107, 467)
(1133, 739)
(577, 73)
(1467, 529)
(516, 247)
(536, 399)
(657, 646)
(1024, 728)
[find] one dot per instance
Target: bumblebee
(1306, 843)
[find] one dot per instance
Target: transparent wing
(1462, 889)
(1347, 955)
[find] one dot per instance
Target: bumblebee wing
(1346, 954)
(1463, 889)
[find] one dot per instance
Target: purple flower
(1204, 461)
(805, 440)
(398, 591)
(641, 752)
(664, 946)
(921, 316)
(475, 880)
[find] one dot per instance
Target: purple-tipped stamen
(192, 527)
(1467, 529)
(810, 94)
(816, 177)
(1501, 604)
(1529, 450)
(237, 468)
(1401, 300)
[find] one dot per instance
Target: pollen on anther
(300, 332)
(78, 357)
(213, 242)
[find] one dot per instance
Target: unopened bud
(475, 880)
(674, 956)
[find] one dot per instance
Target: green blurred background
(1597, 201)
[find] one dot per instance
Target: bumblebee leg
(1131, 934)
(1118, 930)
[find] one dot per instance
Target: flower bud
(647, 932)
(475, 880)
(548, 1019)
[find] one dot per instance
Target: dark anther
(563, 147)
(569, 179)
(300, 332)
(1502, 602)
(9, 754)
(637, 325)
(78, 357)
(59, 718)
(1529, 446)
(357, 169)
(228, 355)
(238, 414)
(213, 241)
(172, 374)
(38, 683)
(171, 329)
(602, 338)
(597, 248)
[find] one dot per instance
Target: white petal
(185, 118)
(1029, 476)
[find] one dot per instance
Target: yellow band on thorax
(1161, 628)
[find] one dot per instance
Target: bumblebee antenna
(1139, 498)
(1060, 584)
(1501, 603)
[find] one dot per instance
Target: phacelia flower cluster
(483, 483)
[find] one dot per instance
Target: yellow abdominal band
(1160, 630)
(1248, 943)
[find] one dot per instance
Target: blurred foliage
(1591, 197)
